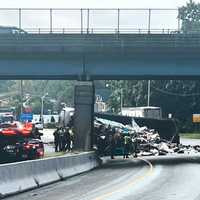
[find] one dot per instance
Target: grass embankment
(190, 135)
(53, 154)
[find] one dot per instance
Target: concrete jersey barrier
(16, 177)
(22, 176)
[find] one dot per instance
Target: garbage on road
(111, 136)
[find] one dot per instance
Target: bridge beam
(83, 117)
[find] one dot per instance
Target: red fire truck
(19, 141)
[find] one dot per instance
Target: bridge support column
(83, 116)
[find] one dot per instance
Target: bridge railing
(88, 21)
(99, 31)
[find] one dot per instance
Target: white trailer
(147, 112)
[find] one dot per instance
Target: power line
(175, 94)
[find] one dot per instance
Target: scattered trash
(148, 141)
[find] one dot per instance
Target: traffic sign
(196, 118)
(26, 117)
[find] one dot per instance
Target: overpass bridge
(99, 56)
(87, 57)
(87, 50)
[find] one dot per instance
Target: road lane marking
(131, 183)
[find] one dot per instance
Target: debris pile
(149, 142)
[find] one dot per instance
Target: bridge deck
(99, 56)
(97, 42)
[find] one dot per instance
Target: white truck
(147, 112)
(66, 116)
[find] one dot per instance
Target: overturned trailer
(166, 128)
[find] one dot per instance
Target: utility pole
(21, 91)
(149, 92)
(42, 109)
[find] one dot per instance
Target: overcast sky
(97, 19)
(94, 3)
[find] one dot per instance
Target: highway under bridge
(88, 57)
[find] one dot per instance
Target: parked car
(11, 30)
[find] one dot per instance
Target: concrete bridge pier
(83, 117)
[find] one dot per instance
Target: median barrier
(22, 176)
(62, 170)
(16, 177)
(45, 171)
(73, 165)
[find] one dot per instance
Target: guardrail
(22, 176)
(88, 21)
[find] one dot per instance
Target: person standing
(60, 141)
(127, 143)
(56, 139)
(71, 132)
(135, 146)
(112, 145)
(38, 134)
(67, 140)
(63, 139)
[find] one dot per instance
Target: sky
(98, 19)
(93, 3)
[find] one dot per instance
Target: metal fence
(88, 21)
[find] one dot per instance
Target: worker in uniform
(60, 141)
(135, 146)
(56, 139)
(112, 147)
(101, 144)
(64, 139)
(67, 139)
(112, 141)
(127, 143)
(71, 132)
(38, 134)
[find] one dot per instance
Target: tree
(52, 119)
(59, 91)
(179, 97)
(190, 16)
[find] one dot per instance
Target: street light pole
(121, 100)
(149, 91)
(42, 107)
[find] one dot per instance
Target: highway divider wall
(22, 176)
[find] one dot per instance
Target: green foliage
(181, 98)
(58, 91)
(171, 95)
(190, 16)
(191, 135)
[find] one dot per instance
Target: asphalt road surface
(125, 180)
